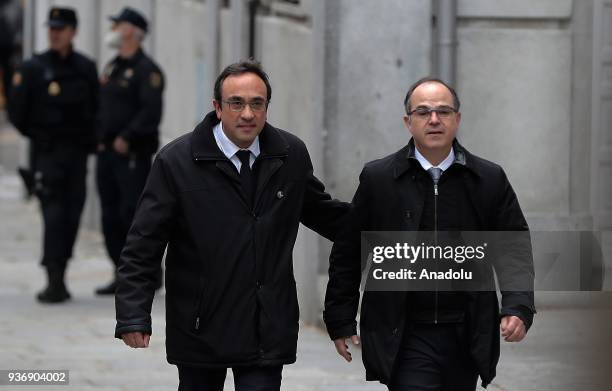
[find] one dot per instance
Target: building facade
(534, 76)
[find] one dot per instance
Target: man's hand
(512, 328)
(136, 339)
(342, 347)
(121, 145)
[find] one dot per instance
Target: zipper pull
(197, 324)
(436, 306)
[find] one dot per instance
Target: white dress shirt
(444, 164)
(229, 149)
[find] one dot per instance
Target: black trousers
(434, 357)
(120, 180)
(62, 196)
(245, 378)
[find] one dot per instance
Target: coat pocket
(379, 350)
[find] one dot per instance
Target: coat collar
(55, 56)
(129, 61)
(204, 147)
(405, 159)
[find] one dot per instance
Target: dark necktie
(435, 174)
(246, 175)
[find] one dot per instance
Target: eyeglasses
(239, 105)
(443, 112)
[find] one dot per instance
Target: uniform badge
(54, 88)
(17, 79)
(56, 13)
(128, 73)
(155, 79)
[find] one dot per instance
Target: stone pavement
(78, 335)
(566, 349)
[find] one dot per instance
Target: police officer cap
(131, 16)
(61, 16)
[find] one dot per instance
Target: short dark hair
(430, 79)
(239, 68)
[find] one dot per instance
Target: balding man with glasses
(435, 339)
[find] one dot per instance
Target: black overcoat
(390, 197)
(231, 295)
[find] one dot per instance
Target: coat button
(395, 330)
(259, 285)
(280, 194)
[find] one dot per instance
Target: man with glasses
(434, 340)
(226, 200)
(53, 102)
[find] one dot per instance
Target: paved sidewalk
(557, 355)
(78, 335)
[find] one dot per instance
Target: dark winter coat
(231, 295)
(390, 197)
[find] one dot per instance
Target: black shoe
(108, 289)
(53, 294)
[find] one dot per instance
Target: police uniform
(130, 108)
(53, 102)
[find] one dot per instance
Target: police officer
(53, 102)
(130, 112)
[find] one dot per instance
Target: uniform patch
(17, 79)
(54, 88)
(155, 79)
(128, 73)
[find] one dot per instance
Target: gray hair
(139, 33)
